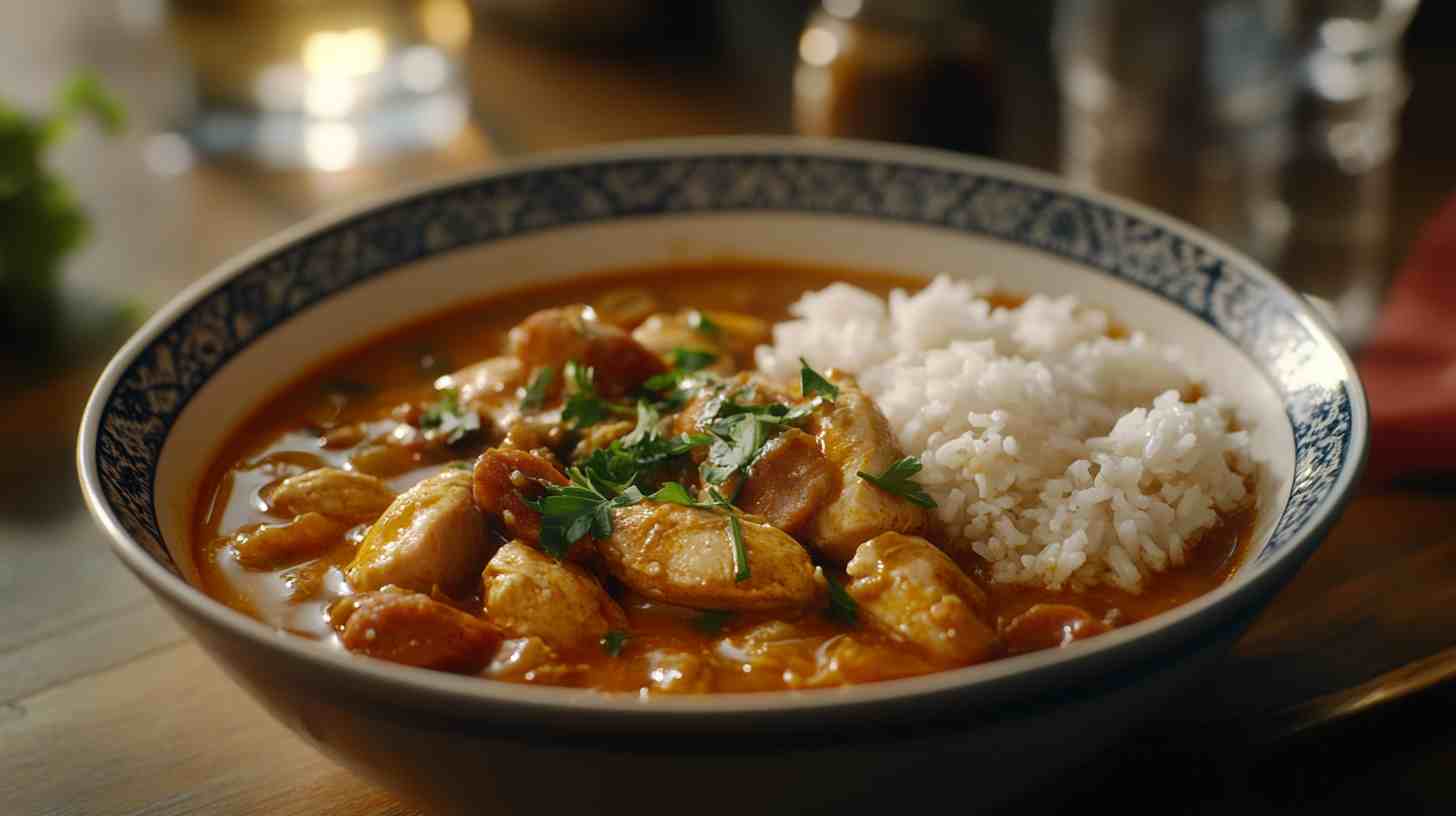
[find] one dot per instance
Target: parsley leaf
(842, 606)
(606, 480)
(647, 419)
(741, 431)
(711, 621)
(704, 325)
(738, 441)
(897, 480)
(569, 513)
(448, 419)
(689, 360)
(812, 382)
(583, 406)
(536, 392)
(614, 641)
(674, 493)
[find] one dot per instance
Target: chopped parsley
(446, 418)
(741, 571)
(569, 513)
(740, 432)
(536, 392)
(583, 406)
(812, 382)
(842, 607)
(897, 481)
(461, 464)
(607, 479)
(711, 621)
(614, 641)
(674, 493)
(704, 325)
(689, 360)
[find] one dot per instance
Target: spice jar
(915, 71)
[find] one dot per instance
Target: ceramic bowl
(460, 744)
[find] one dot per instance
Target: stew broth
(329, 416)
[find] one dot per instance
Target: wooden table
(107, 708)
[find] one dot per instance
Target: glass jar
(913, 71)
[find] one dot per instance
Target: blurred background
(1308, 132)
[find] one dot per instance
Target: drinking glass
(1268, 122)
(323, 84)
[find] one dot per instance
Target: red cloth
(1409, 368)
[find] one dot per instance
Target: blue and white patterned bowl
(165, 404)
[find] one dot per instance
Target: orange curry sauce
(670, 648)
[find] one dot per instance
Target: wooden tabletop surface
(106, 707)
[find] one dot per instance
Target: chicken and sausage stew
(652, 482)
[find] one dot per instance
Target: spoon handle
(1338, 706)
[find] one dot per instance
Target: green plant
(40, 220)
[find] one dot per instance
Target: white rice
(1061, 456)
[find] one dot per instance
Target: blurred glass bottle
(1267, 122)
(914, 71)
(323, 84)
(1337, 183)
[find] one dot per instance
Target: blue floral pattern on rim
(141, 409)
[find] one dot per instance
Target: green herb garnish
(711, 621)
(704, 325)
(812, 382)
(583, 406)
(460, 464)
(647, 419)
(41, 222)
(674, 493)
(448, 419)
(741, 431)
(689, 360)
(897, 481)
(571, 512)
(607, 479)
(842, 606)
(741, 572)
(614, 641)
(536, 392)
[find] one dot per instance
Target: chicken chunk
(855, 436)
(848, 659)
(626, 307)
(672, 671)
(410, 628)
(490, 388)
(667, 332)
(503, 481)
(528, 593)
(789, 482)
(274, 545)
(1049, 625)
(685, 556)
(553, 337)
(727, 334)
(338, 494)
(916, 593)
(431, 536)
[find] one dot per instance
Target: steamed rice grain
(1062, 456)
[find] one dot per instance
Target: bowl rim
(1000, 679)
